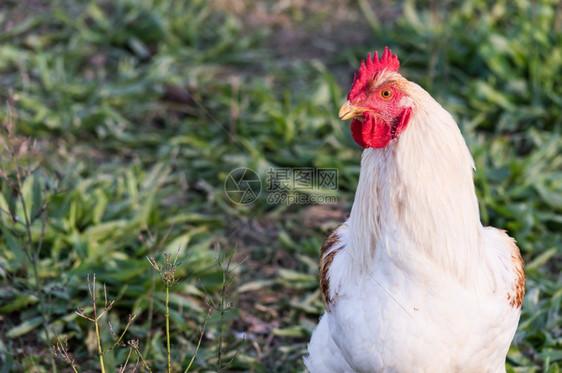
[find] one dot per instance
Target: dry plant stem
(200, 339)
(223, 307)
(168, 326)
(118, 341)
(135, 346)
(156, 245)
(61, 350)
(166, 273)
(95, 319)
(221, 325)
(122, 369)
(99, 342)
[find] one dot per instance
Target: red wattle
(373, 132)
(357, 132)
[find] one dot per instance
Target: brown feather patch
(515, 298)
(326, 260)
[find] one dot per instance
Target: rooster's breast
(388, 320)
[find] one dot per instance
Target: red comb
(372, 67)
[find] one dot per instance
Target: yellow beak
(347, 111)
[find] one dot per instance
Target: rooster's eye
(386, 93)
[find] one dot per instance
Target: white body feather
(417, 283)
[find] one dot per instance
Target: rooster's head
(377, 102)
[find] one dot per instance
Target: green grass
(106, 160)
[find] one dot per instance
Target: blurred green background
(122, 119)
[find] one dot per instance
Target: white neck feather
(416, 198)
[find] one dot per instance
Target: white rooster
(412, 281)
